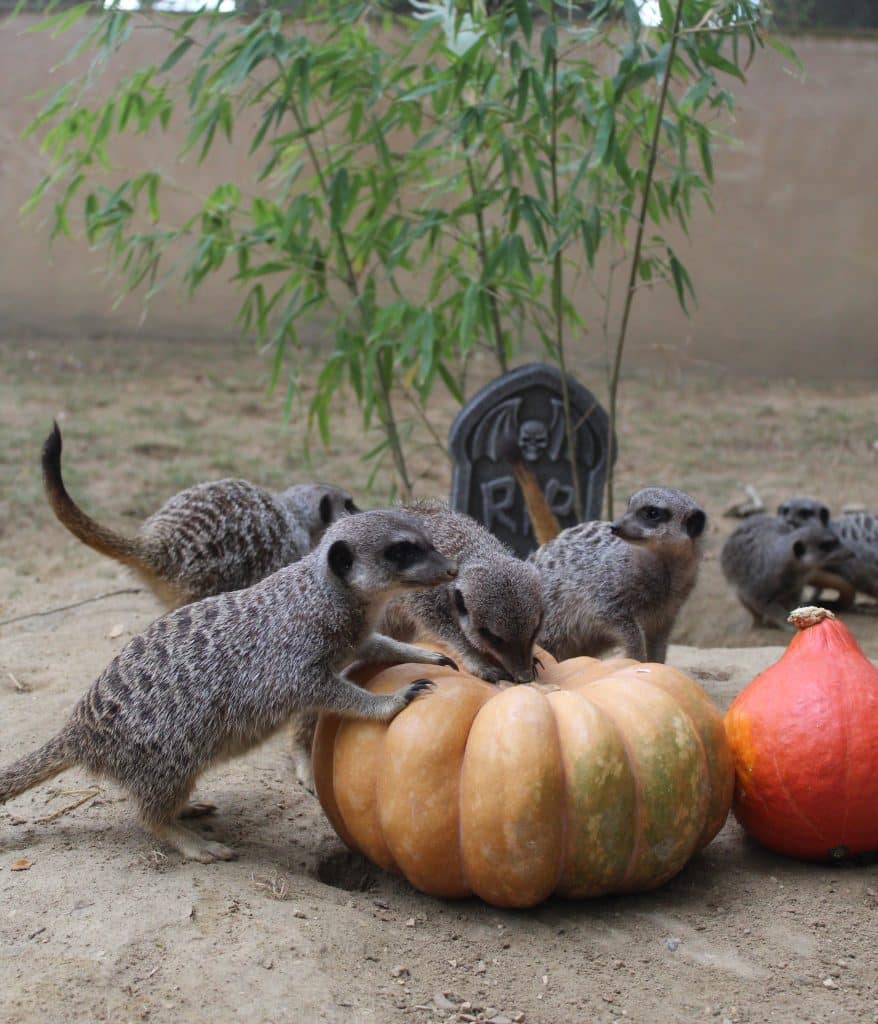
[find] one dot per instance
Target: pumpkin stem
(802, 618)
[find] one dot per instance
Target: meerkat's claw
(197, 810)
(418, 687)
(191, 845)
(448, 662)
(211, 852)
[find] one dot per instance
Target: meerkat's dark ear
(799, 548)
(351, 507)
(340, 559)
(695, 523)
(325, 510)
(459, 603)
(824, 515)
(783, 509)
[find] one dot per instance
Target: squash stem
(810, 615)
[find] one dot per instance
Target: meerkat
(208, 539)
(768, 562)
(802, 511)
(847, 577)
(621, 582)
(489, 616)
(213, 679)
(858, 532)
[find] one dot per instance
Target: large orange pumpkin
(602, 777)
(804, 736)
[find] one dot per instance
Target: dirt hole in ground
(345, 870)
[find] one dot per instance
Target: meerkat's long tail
(82, 526)
(543, 520)
(50, 759)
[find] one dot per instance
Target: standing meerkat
(210, 538)
(621, 582)
(768, 562)
(213, 679)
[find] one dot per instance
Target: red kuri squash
(804, 737)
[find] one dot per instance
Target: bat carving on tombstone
(535, 450)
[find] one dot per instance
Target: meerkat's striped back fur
(210, 538)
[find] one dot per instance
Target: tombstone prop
(526, 405)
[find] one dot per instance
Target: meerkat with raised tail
(622, 582)
(213, 679)
(768, 561)
(208, 539)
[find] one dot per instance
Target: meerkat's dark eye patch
(695, 523)
(492, 638)
(799, 548)
(653, 515)
(829, 545)
(350, 507)
(325, 510)
(460, 604)
(404, 553)
(824, 515)
(340, 559)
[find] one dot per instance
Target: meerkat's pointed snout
(525, 675)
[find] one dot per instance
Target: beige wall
(786, 270)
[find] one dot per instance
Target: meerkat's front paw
(416, 688)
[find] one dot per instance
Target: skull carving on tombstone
(533, 439)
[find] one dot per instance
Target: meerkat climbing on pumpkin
(212, 679)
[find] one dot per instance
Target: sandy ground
(103, 926)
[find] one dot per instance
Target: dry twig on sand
(75, 604)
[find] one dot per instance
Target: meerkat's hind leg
(775, 614)
(160, 810)
(301, 739)
(188, 843)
